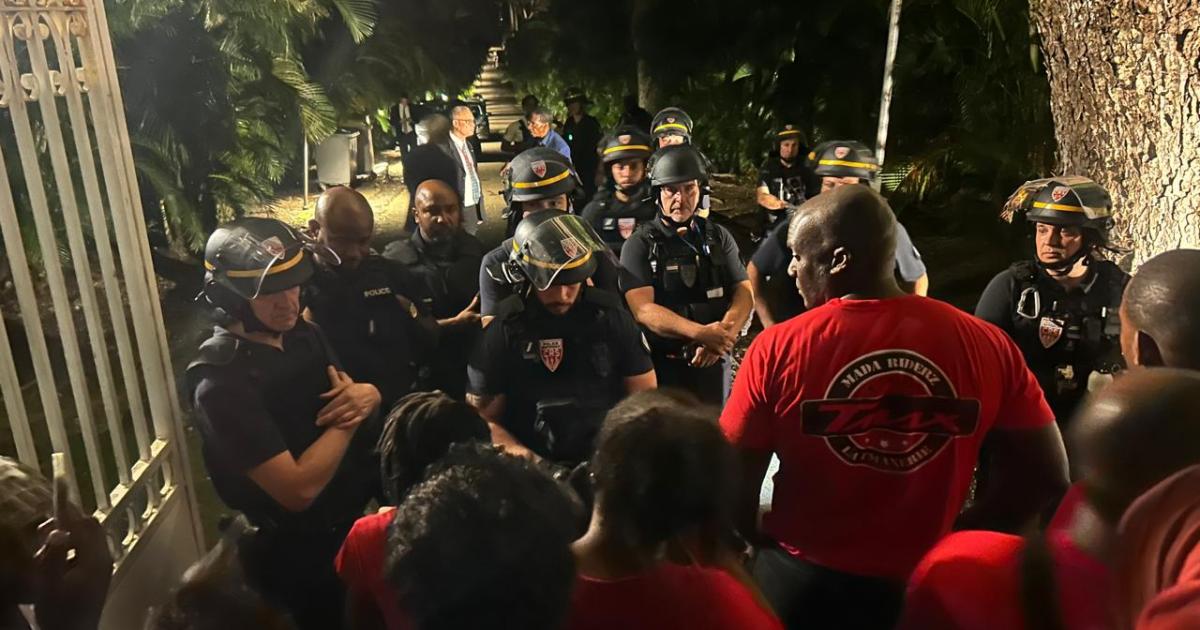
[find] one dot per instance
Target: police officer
(836, 163)
(373, 312)
(287, 434)
(561, 353)
(783, 178)
(685, 283)
(583, 134)
(624, 203)
(671, 126)
(537, 179)
(445, 259)
(1061, 307)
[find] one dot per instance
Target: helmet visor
(561, 244)
(268, 265)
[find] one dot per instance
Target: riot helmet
(626, 143)
(671, 121)
(678, 164)
(1069, 201)
(553, 248)
(255, 256)
(576, 95)
(844, 158)
(537, 173)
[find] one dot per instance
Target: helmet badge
(788, 127)
(571, 248)
(841, 152)
(274, 247)
(538, 168)
(670, 119)
(1059, 192)
(624, 138)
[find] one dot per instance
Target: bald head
(844, 242)
(436, 209)
(1160, 313)
(1139, 430)
(344, 222)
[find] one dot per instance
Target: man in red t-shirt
(876, 403)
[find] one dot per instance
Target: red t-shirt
(667, 597)
(876, 409)
(972, 581)
(360, 565)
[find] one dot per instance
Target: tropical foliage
(220, 94)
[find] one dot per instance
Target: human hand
(69, 592)
(349, 403)
(717, 337)
(470, 314)
(704, 358)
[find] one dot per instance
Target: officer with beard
(374, 313)
(445, 259)
(625, 202)
(685, 283)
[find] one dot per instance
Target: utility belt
(307, 526)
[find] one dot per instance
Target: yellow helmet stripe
(792, 132)
(666, 126)
(254, 273)
(545, 182)
(626, 147)
(866, 165)
(1057, 206)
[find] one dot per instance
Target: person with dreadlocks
(418, 432)
(1061, 307)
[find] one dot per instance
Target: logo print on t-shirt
(892, 410)
(551, 351)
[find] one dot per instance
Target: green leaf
(360, 17)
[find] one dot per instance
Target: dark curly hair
(419, 429)
(483, 543)
(662, 468)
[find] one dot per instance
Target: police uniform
(615, 220)
(790, 183)
(1064, 334)
(381, 340)
(448, 273)
(559, 374)
(582, 137)
(493, 290)
(253, 402)
(695, 277)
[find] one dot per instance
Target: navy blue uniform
(615, 220)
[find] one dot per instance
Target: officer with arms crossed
(625, 202)
(375, 314)
(671, 126)
(837, 163)
(444, 259)
(783, 178)
(538, 179)
(1062, 307)
(284, 440)
(685, 283)
(560, 353)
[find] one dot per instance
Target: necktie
(469, 165)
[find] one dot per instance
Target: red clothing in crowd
(972, 581)
(360, 565)
(668, 597)
(876, 409)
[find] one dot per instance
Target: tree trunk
(1125, 94)
(648, 88)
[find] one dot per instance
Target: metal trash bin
(337, 158)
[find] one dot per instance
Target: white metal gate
(92, 378)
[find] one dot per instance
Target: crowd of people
(549, 434)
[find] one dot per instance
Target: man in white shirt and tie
(470, 188)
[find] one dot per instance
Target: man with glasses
(470, 188)
(540, 125)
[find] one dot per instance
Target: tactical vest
(566, 380)
(1067, 336)
(691, 282)
(451, 280)
(617, 220)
